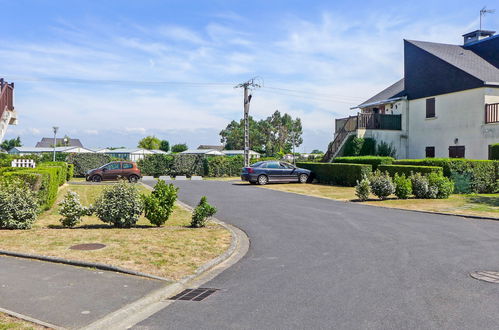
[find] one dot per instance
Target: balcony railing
(369, 121)
(492, 113)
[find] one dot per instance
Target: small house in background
(22, 151)
(204, 152)
(61, 142)
(209, 147)
(129, 154)
(252, 154)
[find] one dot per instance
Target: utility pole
(249, 85)
(55, 128)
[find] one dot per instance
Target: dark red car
(114, 171)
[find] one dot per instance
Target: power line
(314, 97)
(314, 93)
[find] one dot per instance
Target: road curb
(143, 308)
(82, 264)
(30, 319)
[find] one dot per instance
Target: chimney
(477, 36)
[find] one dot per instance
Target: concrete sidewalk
(67, 296)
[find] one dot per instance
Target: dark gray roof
(462, 58)
(49, 142)
(393, 91)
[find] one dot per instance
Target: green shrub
(381, 185)
(494, 151)
(420, 185)
(409, 169)
(72, 210)
(120, 205)
(71, 171)
(484, 173)
(375, 161)
(363, 189)
(158, 206)
(335, 173)
(359, 146)
(403, 186)
(442, 185)
(62, 170)
(385, 149)
(156, 165)
(18, 205)
(462, 182)
(202, 213)
(217, 166)
(87, 161)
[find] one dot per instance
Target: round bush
(18, 205)
(382, 185)
(72, 210)
(403, 186)
(120, 205)
(420, 186)
(363, 189)
(202, 213)
(159, 204)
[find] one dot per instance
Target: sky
(111, 72)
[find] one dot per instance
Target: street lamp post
(55, 128)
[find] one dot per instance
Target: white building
(22, 151)
(447, 104)
(8, 115)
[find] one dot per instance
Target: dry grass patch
(8, 322)
(485, 205)
(171, 251)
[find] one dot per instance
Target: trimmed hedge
(494, 151)
(216, 166)
(156, 165)
(62, 170)
(409, 169)
(336, 173)
(87, 161)
(374, 161)
(184, 164)
(484, 174)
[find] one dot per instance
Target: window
(430, 108)
(273, 165)
(456, 151)
(127, 166)
(430, 152)
(113, 166)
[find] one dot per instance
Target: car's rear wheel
(263, 180)
(133, 178)
(303, 178)
(96, 178)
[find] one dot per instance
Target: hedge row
(375, 161)
(483, 174)
(87, 161)
(337, 173)
(409, 169)
(45, 179)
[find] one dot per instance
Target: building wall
(460, 116)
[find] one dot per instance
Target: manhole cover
(194, 294)
(90, 246)
(487, 276)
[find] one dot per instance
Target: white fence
(23, 163)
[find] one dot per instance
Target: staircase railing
(350, 126)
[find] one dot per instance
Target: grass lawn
(171, 251)
(8, 322)
(475, 204)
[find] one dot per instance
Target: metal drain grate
(487, 276)
(194, 294)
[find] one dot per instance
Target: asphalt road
(321, 264)
(66, 296)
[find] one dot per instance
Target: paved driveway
(317, 263)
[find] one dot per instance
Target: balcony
(369, 121)
(492, 113)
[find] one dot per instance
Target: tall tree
(9, 144)
(150, 143)
(179, 147)
(164, 145)
(276, 134)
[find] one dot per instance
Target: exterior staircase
(348, 128)
(8, 115)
